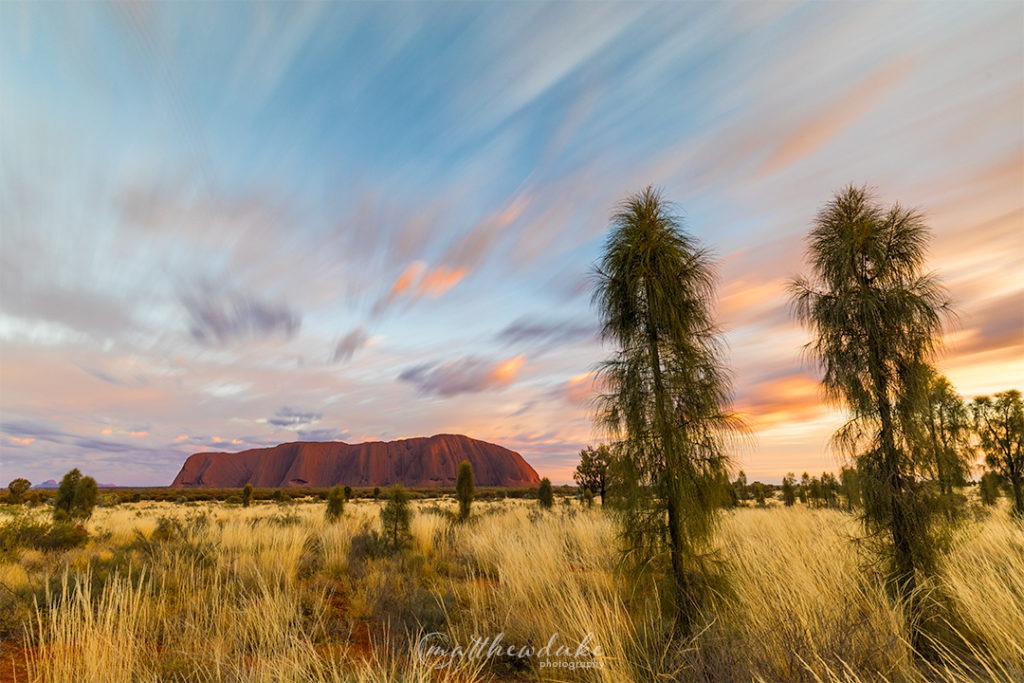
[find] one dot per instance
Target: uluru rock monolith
(420, 462)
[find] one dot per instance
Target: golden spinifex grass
(274, 592)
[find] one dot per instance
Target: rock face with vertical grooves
(421, 462)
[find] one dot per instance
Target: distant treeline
(109, 496)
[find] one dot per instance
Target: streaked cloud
(811, 135)
(349, 344)
(463, 376)
(294, 419)
(230, 317)
(227, 242)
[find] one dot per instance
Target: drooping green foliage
(76, 497)
(18, 488)
(999, 421)
(395, 518)
(592, 472)
(335, 504)
(545, 494)
(668, 393)
(464, 489)
(876, 316)
(247, 495)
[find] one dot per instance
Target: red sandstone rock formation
(420, 462)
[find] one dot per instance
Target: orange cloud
(505, 372)
(408, 277)
(24, 441)
(789, 399)
(439, 280)
(580, 389)
(741, 297)
(182, 437)
(427, 282)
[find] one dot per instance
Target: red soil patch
(13, 663)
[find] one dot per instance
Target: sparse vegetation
(216, 593)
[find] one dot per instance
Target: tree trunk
(1018, 495)
(675, 530)
(901, 527)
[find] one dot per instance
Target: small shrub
(63, 537)
(25, 533)
(335, 504)
(545, 494)
(18, 488)
(247, 496)
(348, 493)
(109, 500)
(395, 518)
(234, 500)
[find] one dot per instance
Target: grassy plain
(212, 592)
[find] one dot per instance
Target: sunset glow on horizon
(227, 226)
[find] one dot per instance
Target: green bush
(76, 497)
(335, 504)
(395, 518)
(21, 532)
(545, 494)
(109, 500)
(18, 488)
(247, 496)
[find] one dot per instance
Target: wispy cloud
(349, 344)
(230, 317)
(294, 419)
(464, 376)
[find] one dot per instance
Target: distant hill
(53, 484)
(420, 462)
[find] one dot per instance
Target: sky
(231, 225)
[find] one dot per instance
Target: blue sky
(225, 225)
